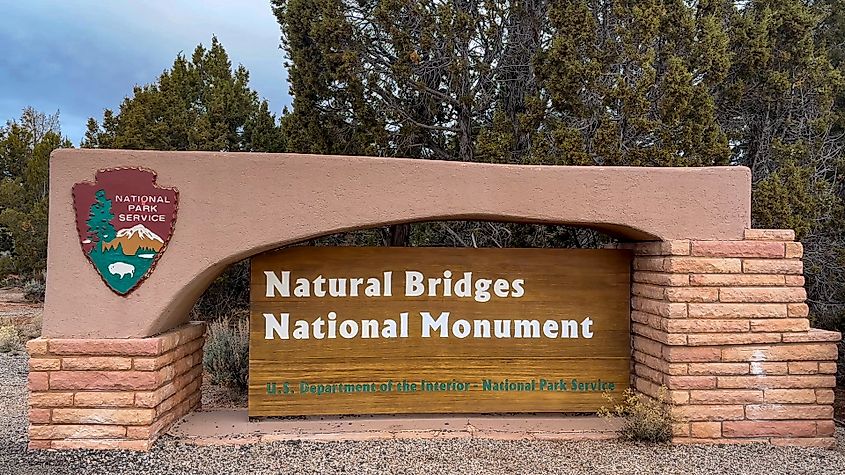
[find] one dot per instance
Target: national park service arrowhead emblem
(125, 222)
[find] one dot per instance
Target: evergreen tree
(25, 147)
(777, 106)
(523, 81)
(833, 29)
(629, 83)
(199, 103)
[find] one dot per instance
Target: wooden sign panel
(351, 330)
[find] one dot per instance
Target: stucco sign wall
(236, 205)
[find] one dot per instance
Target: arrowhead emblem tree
(99, 219)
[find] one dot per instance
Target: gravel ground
(169, 456)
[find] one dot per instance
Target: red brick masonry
(112, 393)
(723, 325)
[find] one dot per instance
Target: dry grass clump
(30, 330)
(646, 419)
(9, 340)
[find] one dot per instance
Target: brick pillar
(112, 393)
(723, 325)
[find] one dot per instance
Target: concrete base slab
(233, 427)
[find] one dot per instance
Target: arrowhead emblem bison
(124, 222)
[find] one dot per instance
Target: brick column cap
(814, 334)
(149, 346)
(769, 235)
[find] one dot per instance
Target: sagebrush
(30, 329)
(646, 419)
(9, 340)
(34, 289)
(226, 355)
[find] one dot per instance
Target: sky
(80, 57)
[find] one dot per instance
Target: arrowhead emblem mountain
(130, 240)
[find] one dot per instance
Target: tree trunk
(399, 235)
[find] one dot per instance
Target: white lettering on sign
(440, 325)
(142, 208)
(148, 218)
(144, 199)
(330, 328)
(416, 285)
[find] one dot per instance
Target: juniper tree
(200, 103)
(25, 147)
(777, 107)
(630, 83)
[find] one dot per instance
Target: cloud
(84, 56)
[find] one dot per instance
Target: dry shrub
(8, 278)
(646, 419)
(227, 295)
(226, 353)
(33, 290)
(30, 330)
(9, 340)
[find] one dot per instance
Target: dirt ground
(219, 397)
(15, 310)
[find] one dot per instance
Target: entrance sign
(350, 330)
(697, 263)
(124, 222)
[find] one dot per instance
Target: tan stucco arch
(233, 206)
